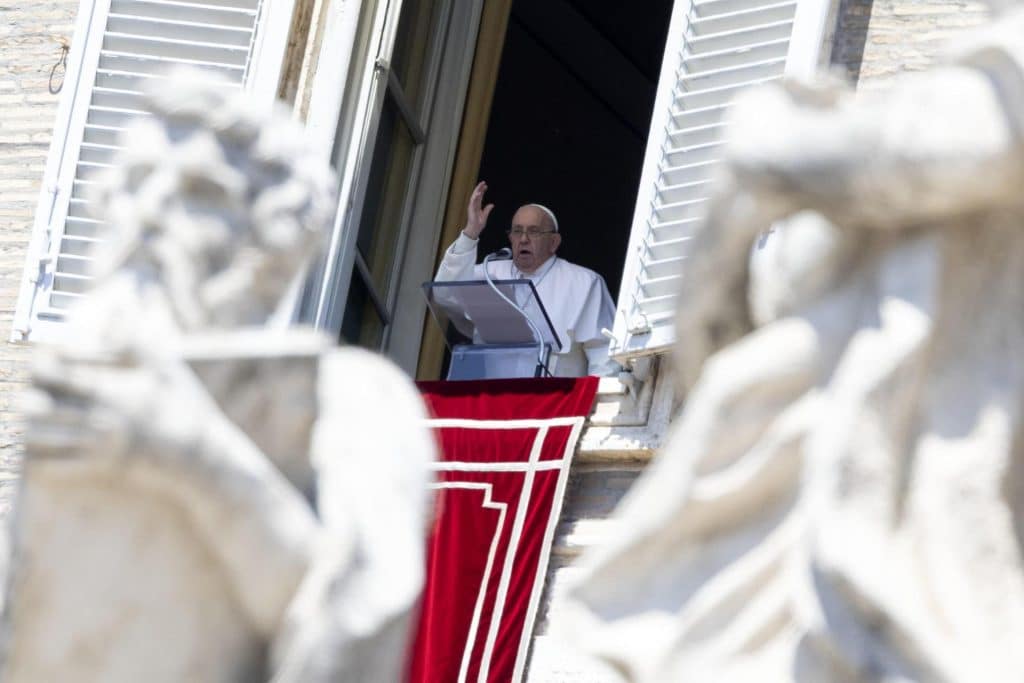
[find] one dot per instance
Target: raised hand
(477, 213)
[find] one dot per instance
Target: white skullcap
(549, 212)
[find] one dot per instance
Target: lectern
(488, 337)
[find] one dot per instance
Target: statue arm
(258, 525)
(372, 449)
(940, 144)
(158, 429)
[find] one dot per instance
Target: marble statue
(208, 495)
(842, 498)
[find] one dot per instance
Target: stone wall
(31, 39)
(878, 39)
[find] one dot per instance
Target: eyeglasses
(529, 232)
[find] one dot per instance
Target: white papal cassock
(576, 299)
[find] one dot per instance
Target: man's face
(530, 251)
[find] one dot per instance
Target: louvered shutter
(715, 49)
(120, 47)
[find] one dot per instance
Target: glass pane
(386, 196)
(362, 324)
(417, 28)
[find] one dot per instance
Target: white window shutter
(715, 48)
(119, 47)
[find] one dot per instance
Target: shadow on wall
(851, 36)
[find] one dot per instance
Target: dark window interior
(569, 121)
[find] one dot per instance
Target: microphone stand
(503, 255)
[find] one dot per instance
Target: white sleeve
(458, 260)
(598, 313)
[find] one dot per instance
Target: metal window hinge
(40, 272)
(53, 190)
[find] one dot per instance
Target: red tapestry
(507, 447)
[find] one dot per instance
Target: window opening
(569, 120)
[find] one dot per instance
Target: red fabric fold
(499, 493)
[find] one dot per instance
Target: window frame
(418, 124)
(359, 98)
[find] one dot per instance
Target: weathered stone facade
(878, 39)
(32, 40)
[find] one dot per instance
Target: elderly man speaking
(576, 298)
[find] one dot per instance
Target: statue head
(214, 202)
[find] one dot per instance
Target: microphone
(503, 254)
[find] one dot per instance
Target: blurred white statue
(843, 497)
(204, 498)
